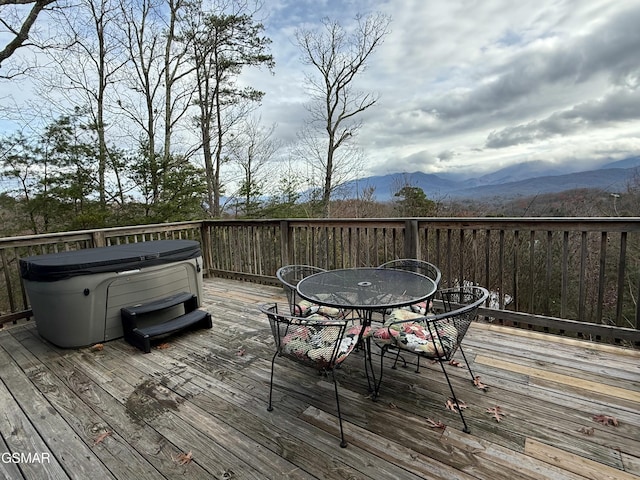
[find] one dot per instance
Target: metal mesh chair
(438, 336)
(419, 266)
(315, 341)
(289, 276)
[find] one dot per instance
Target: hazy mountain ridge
(611, 180)
(527, 179)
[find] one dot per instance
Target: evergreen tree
(413, 202)
(223, 45)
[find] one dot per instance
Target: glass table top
(366, 288)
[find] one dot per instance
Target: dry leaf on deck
(451, 405)
(455, 363)
(606, 420)
(586, 431)
(479, 384)
(98, 347)
(496, 412)
(163, 346)
(184, 458)
(434, 424)
(100, 438)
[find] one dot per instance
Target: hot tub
(76, 296)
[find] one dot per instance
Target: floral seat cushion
(317, 344)
(380, 335)
(417, 336)
(423, 308)
(305, 308)
(383, 334)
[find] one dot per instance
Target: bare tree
(88, 61)
(178, 91)
(16, 26)
(253, 148)
(346, 163)
(142, 39)
(157, 65)
(338, 57)
(19, 160)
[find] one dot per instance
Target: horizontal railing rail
(578, 276)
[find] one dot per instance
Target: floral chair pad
(416, 336)
(316, 344)
(305, 308)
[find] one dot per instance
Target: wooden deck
(196, 408)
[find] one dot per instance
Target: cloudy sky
(472, 85)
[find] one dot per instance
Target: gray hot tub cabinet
(77, 296)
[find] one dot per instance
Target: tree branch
(22, 35)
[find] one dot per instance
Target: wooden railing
(577, 276)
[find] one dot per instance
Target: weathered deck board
(40, 409)
(112, 413)
(206, 392)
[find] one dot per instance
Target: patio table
(365, 291)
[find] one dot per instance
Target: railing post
(98, 238)
(411, 239)
(207, 248)
(285, 243)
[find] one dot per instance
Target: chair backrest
(418, 266)
(459, 307)
(315, 341)
(290, 275)
(439, 335)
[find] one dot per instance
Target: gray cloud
(446, 155)
(415, 162)
(612, 50)
(621, 106)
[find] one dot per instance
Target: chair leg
(467, 362)
(404, 362)
(376, 387)
(343, 442)
(273, 361)
(396, 360)
(455, 399)
(368, 364)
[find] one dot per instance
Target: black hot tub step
(138, 320)
(190, 319)
(190, 301)
(141, 337)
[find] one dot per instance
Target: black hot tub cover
(116, 258)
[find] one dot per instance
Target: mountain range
(521, 180)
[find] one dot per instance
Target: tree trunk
(326, 191)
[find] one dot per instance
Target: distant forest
(24, 215)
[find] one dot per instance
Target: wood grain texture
(585, 467)
(565, 379)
